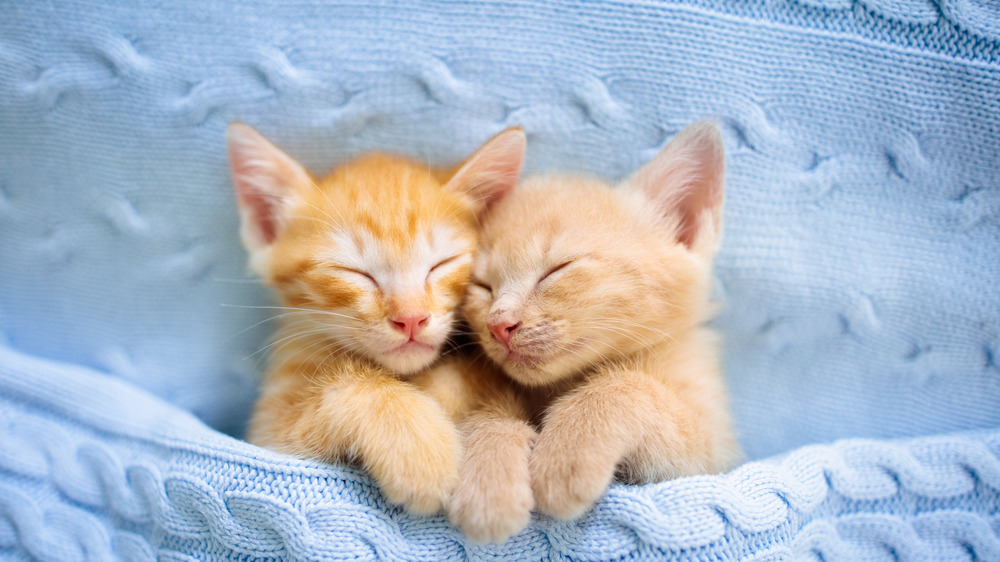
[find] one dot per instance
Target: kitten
(369, 264)
(595, 298)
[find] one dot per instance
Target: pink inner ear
(692, 209)
(262, 211)
(685, 180)
(493, 170)
(263, 177)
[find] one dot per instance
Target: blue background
(860, 271)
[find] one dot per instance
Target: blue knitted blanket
(859, 277)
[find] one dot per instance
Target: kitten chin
(539, 370)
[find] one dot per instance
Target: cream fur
(609, 290)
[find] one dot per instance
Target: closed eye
(477, 283)
(358, 272)
(555, 269)
(446, 261)
(441, 264)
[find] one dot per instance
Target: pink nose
(503, 330)
(410, 324)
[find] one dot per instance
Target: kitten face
(574, 288)
(383, 270)
(374, 258)
(571, 272)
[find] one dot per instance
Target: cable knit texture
(858, 276)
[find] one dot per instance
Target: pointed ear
(685, 180)
(492, 171)
(265, 178)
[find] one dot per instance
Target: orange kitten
(369, 264)
(595, 298)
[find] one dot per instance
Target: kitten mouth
(412, 346)
(521, 358)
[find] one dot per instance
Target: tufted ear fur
(492, 171)
(264, 178)
(685, 180)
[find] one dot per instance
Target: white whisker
(642, 345)
(316, 311)
(636, 325)
(269, 319)
(287, 339)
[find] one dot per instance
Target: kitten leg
(493, 499)
(584, 436)
(401, 436)
(404, 439)
(692, 435)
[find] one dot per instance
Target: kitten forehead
(347, 248)
(514, 265)
(445, 239)
(524, 242)
(550, 220)
(563, 247)
(360, 249)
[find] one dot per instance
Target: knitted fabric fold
(117, 473)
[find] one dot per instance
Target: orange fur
(595, 299)
(493, 499)
(369, 263)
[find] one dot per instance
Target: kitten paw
(494, 513)
(421, 490)
(422, 474)
(428, 500)
(566, 483)
(493, 500)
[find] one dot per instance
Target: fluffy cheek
(445, 293)
(547, 349)
(566, 330)
(334, 300)
(578, 345)
(475, 311)
(355, 329)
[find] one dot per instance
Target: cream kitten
(369, 263)
(595, 299)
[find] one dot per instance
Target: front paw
(420, 495)
(567, 481)
(493, 499)
(423, 480)
(494, 512)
